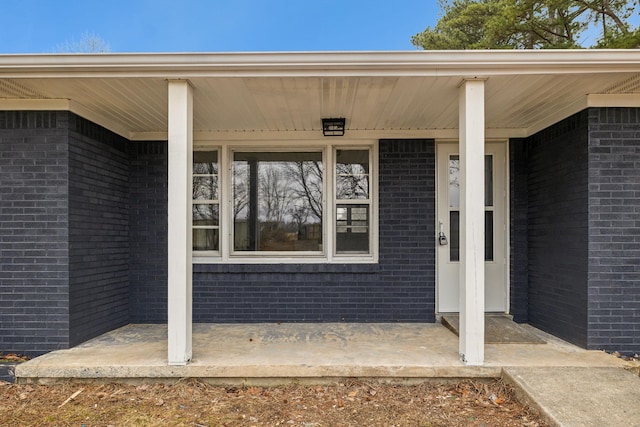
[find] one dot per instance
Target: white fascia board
(13, 104)
(407, 63)
(614, 100)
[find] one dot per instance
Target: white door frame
(506, 222)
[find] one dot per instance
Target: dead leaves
(13, 357)
(195, 403)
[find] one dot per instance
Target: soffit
(254, 104)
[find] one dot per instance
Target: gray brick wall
(400, 288)
(34, 253)
(63, 231)
(148, 232)
(518, 208)
(614, 229)
(557, 235)
(98, 230)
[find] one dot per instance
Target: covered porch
(279, 353)
(146, 115)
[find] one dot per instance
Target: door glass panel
(488, 180)
(454, 181)
(488, 236)
(454, 241)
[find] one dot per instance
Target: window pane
(488, 180)
(352, 174)
(205, 188)
(454, 240)
(205, 239)
(352, 229)
(205, 162)
(488, 236)
(206, 214)
(454, 181)
(277, 201)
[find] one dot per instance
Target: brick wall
(401, 287)
(98, 230)
(63, 231)
(614, 229)
(518, 208)
(34, 271)
(148, 232)
(557, 194)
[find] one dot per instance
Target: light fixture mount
(333, 126)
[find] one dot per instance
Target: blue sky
(37, 26)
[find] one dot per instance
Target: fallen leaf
(254, 390)
(353, 393)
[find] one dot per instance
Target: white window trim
(225, 255)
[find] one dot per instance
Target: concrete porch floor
(568, 386)
(272, 353)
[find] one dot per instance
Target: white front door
(448, 228)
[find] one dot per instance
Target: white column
(179, 221)
(471, 103)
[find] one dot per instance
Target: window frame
(226, 253)
(208, 202)
(336, 202)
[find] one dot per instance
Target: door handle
(442, 238)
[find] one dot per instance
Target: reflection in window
(353, 202)
(352, 228)
(206, 206)
(454, 240)
(488, 180)
(454, 204)
(352, 174)
(454, 181)
(277, 201)
(454, 236)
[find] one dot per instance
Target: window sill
(369, 259)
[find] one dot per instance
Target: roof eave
(397, 63)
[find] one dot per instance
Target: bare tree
(275, 193)
(88, 43)
(307, 176)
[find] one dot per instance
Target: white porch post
(471, 111)
(179, 221)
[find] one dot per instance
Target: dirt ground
(196, 404)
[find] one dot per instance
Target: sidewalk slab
(579, 396)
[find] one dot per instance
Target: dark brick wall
(148, 232)
(558, 229)
(518, 208)
(400, 288)
(614, 229)
(98, 230)
(34, 255)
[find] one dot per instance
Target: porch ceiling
(253, 104)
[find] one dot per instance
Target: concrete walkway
(559, 378)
